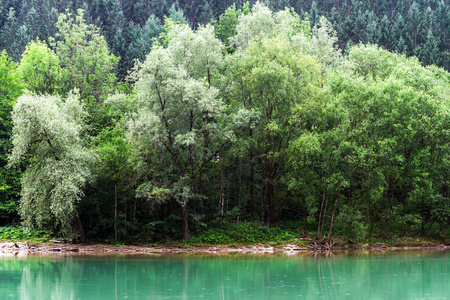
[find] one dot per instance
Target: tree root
(321, 245)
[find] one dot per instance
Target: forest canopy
(143, 122)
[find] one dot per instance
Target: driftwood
(321, 245)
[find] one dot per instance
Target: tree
(113, 152)
(261, 22)
(178, 110)
(226, 27)
(39, 69)
(84, 58)
(429, 51)
(176, 14)
(51, 133)
(10, 90)
(14, 36)
(152, 29)
(250, 25)
(108, 15)
(271, 77)
(324, 45)
(413, 22)
(400, 149)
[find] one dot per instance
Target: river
(361, 275)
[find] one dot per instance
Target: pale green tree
(324, 46)
(177, 109)
(51, 133)
(262, 22)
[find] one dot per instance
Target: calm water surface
(413, 275)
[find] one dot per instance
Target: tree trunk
(422, 230)
(200, 185)
(321, 211)
(252, 181)
(388, 208)
(324, 215)
(251, 188)
(185, 221)
(222, 190)
(193, 198)
(332, 215)
(431, 216)
(270, 195)
(262, 203)
(80, 228)
(115, 212)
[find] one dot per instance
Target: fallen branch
(321, 245)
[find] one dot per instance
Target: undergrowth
(17, 233)
(245, 232)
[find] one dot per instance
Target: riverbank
(23, 248)
(58, 247)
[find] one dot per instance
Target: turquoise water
(397, 276)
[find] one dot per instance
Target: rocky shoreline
(60, 248)
(25, 249)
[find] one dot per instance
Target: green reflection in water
(364, 276)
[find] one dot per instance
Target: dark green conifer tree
(386, 34)
(413, 23)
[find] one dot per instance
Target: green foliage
(17, 233)
(176, 107)
(112, 152)
(412, 221)
(324, 45)
(271, 77)
(352, 223)
(245, 232)
(39, 69)
(226, 27)
(50, 132)
(419, 29)
(10, 90)
(441, 209)
(262, 22)
(260, 118)
(84, 58)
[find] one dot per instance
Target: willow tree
(177, 108)
(50, 133)
(263, 22)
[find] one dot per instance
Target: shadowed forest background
(228, 121)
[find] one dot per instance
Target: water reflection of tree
(333, 277)
(49, 279)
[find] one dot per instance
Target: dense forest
(418, 28)
(152, 120)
